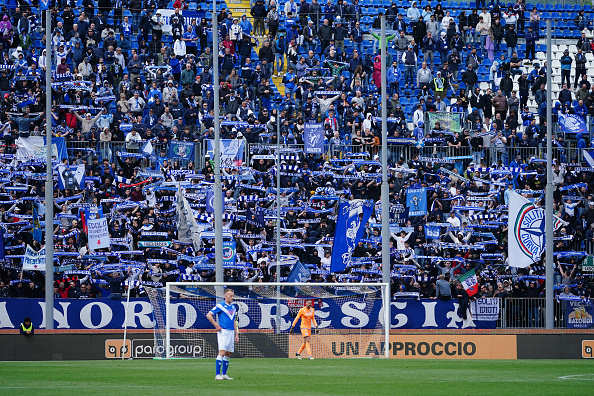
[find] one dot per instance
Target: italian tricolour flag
(470, 282)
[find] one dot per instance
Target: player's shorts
(306, 332)
(226, 340)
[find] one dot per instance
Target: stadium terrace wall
(46, 345)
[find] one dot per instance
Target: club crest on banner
(181, 151)
(529, 231)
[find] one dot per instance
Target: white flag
(98, 233)
(34, 261)
(526, 231)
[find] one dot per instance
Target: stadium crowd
(125, 79)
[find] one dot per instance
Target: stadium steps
(238, 8)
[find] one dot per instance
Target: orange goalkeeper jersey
(307, 316)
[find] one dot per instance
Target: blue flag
(432, 232)
(313, 137)
(299, 273)
(416, 201)
(181, 150)
(1, 244)
(350, 225)
(210, 201)
(399, 214)
(572, 123)
(58, 147)
(36, 224)
(255, 217)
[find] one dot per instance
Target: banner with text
(313, 137)
(98, 233)
(255, 314)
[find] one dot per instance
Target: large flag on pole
(187, 226)
(470, 282)
(352, 217)
(36, 224)
(526, 231)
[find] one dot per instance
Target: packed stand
(130, 86)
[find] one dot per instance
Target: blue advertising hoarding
(340, 313)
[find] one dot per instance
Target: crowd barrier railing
(527, 312)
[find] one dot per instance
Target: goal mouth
(351, 314)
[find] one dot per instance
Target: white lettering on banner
(4, 317)
(244, 320)
(85, 315)
(98, 233)
(144, 316)
(268, 317)
(352, 310)
(454, 318)
(321, 314)
(60, 317)
(429, 314)
(401, 319)
(189, 316)
(351, 314)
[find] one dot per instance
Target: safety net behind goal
(349, 318)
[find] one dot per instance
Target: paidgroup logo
(117, 349)
(146, 349)
(530, 230)
(587, 349)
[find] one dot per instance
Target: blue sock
(219, 364)
(225, 364)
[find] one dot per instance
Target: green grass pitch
(375, 377)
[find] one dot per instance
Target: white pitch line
(567, 377)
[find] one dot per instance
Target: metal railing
(528, 313)
(489, 154)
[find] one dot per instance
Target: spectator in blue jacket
(566, 62)
(246, 25)
(443, 47)
(531, 37)
(581, 110)
(393, 78)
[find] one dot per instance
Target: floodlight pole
(385, 189)
(218, 193)
(49, 180)
(278, 217)
(549, 286)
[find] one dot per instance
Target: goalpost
(351, 317)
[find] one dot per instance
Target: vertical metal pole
(218, 193)
(124, 350)
(49, 182)
(167, 319)
(550, 320)
(385, 188)
(278, 217)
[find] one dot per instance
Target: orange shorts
(306, 332)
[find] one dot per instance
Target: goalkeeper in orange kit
(307, 316)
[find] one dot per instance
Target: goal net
(350, 319)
